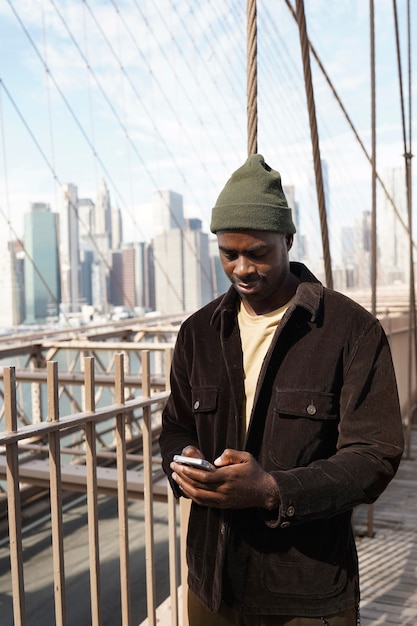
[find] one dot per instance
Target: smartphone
(193, 462)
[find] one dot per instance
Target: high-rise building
(116, 228)
(312, 239)
(220, 281)
(122, 278)
(143, 275)
(363, 244)
(11, 285)
(17, 256)
(149, 278)
(103, 219)
(349, 259)
(41, 265)
(392, 236)
(198, 282)
(99, 288)
(167, 210)
(169, 271)
(86, 272)
(69, 249)
(85, 210)
(183, 278)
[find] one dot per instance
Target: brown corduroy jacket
(326, 424)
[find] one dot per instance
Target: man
(288, 388)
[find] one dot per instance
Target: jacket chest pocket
(204, 400)
(304, 427)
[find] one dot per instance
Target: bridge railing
(19, 463)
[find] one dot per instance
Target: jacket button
(311, 409)
(291, 511)
(285, 524)
(196, 404)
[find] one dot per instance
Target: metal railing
(20, 465)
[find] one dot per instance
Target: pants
(198, 615)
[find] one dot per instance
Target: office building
(220, 281)
(167, 211)
(116, 228)
(41, 265)
(69, 251)
(11, 285)
(183, 278)
(393, 240)
(122, 287)
(103, 220)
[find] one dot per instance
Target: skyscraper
(198, 283)
(103, 220)
(169, 271)
(41, 265)
(392, 236)
(11, 285)
(220, 281)
(181, 257)
(116, 228)
(69, 249)
(122, 278)
(168, 212)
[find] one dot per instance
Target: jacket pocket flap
(311, 404)
(204, 399)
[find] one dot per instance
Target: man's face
(256, 262)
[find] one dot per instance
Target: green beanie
(253, 199)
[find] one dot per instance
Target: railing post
(92, 494)
(13, 500)
(174, 553)
(185, 507)
(56, 496)
(122, 493)
(148, 491)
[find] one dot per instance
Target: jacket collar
(309, 296)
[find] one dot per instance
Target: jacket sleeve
(178, 426)
(369, 447)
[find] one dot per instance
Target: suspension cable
(373, 157)
(412, 341)
(252, 76)
(314, 140)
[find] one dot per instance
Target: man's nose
(243, 266)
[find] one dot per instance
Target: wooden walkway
(388, 560)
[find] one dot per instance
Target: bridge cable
(252, 75)
(412, 343)
(314, 140)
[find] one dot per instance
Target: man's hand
(238, 482)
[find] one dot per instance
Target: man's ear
(289, 239)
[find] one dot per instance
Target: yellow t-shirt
(256, 332)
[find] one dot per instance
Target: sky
(150, 94)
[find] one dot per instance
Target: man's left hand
(238, 482)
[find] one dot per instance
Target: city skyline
(70, 264)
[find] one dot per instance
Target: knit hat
(253, 199)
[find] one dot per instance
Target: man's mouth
(248, 287)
